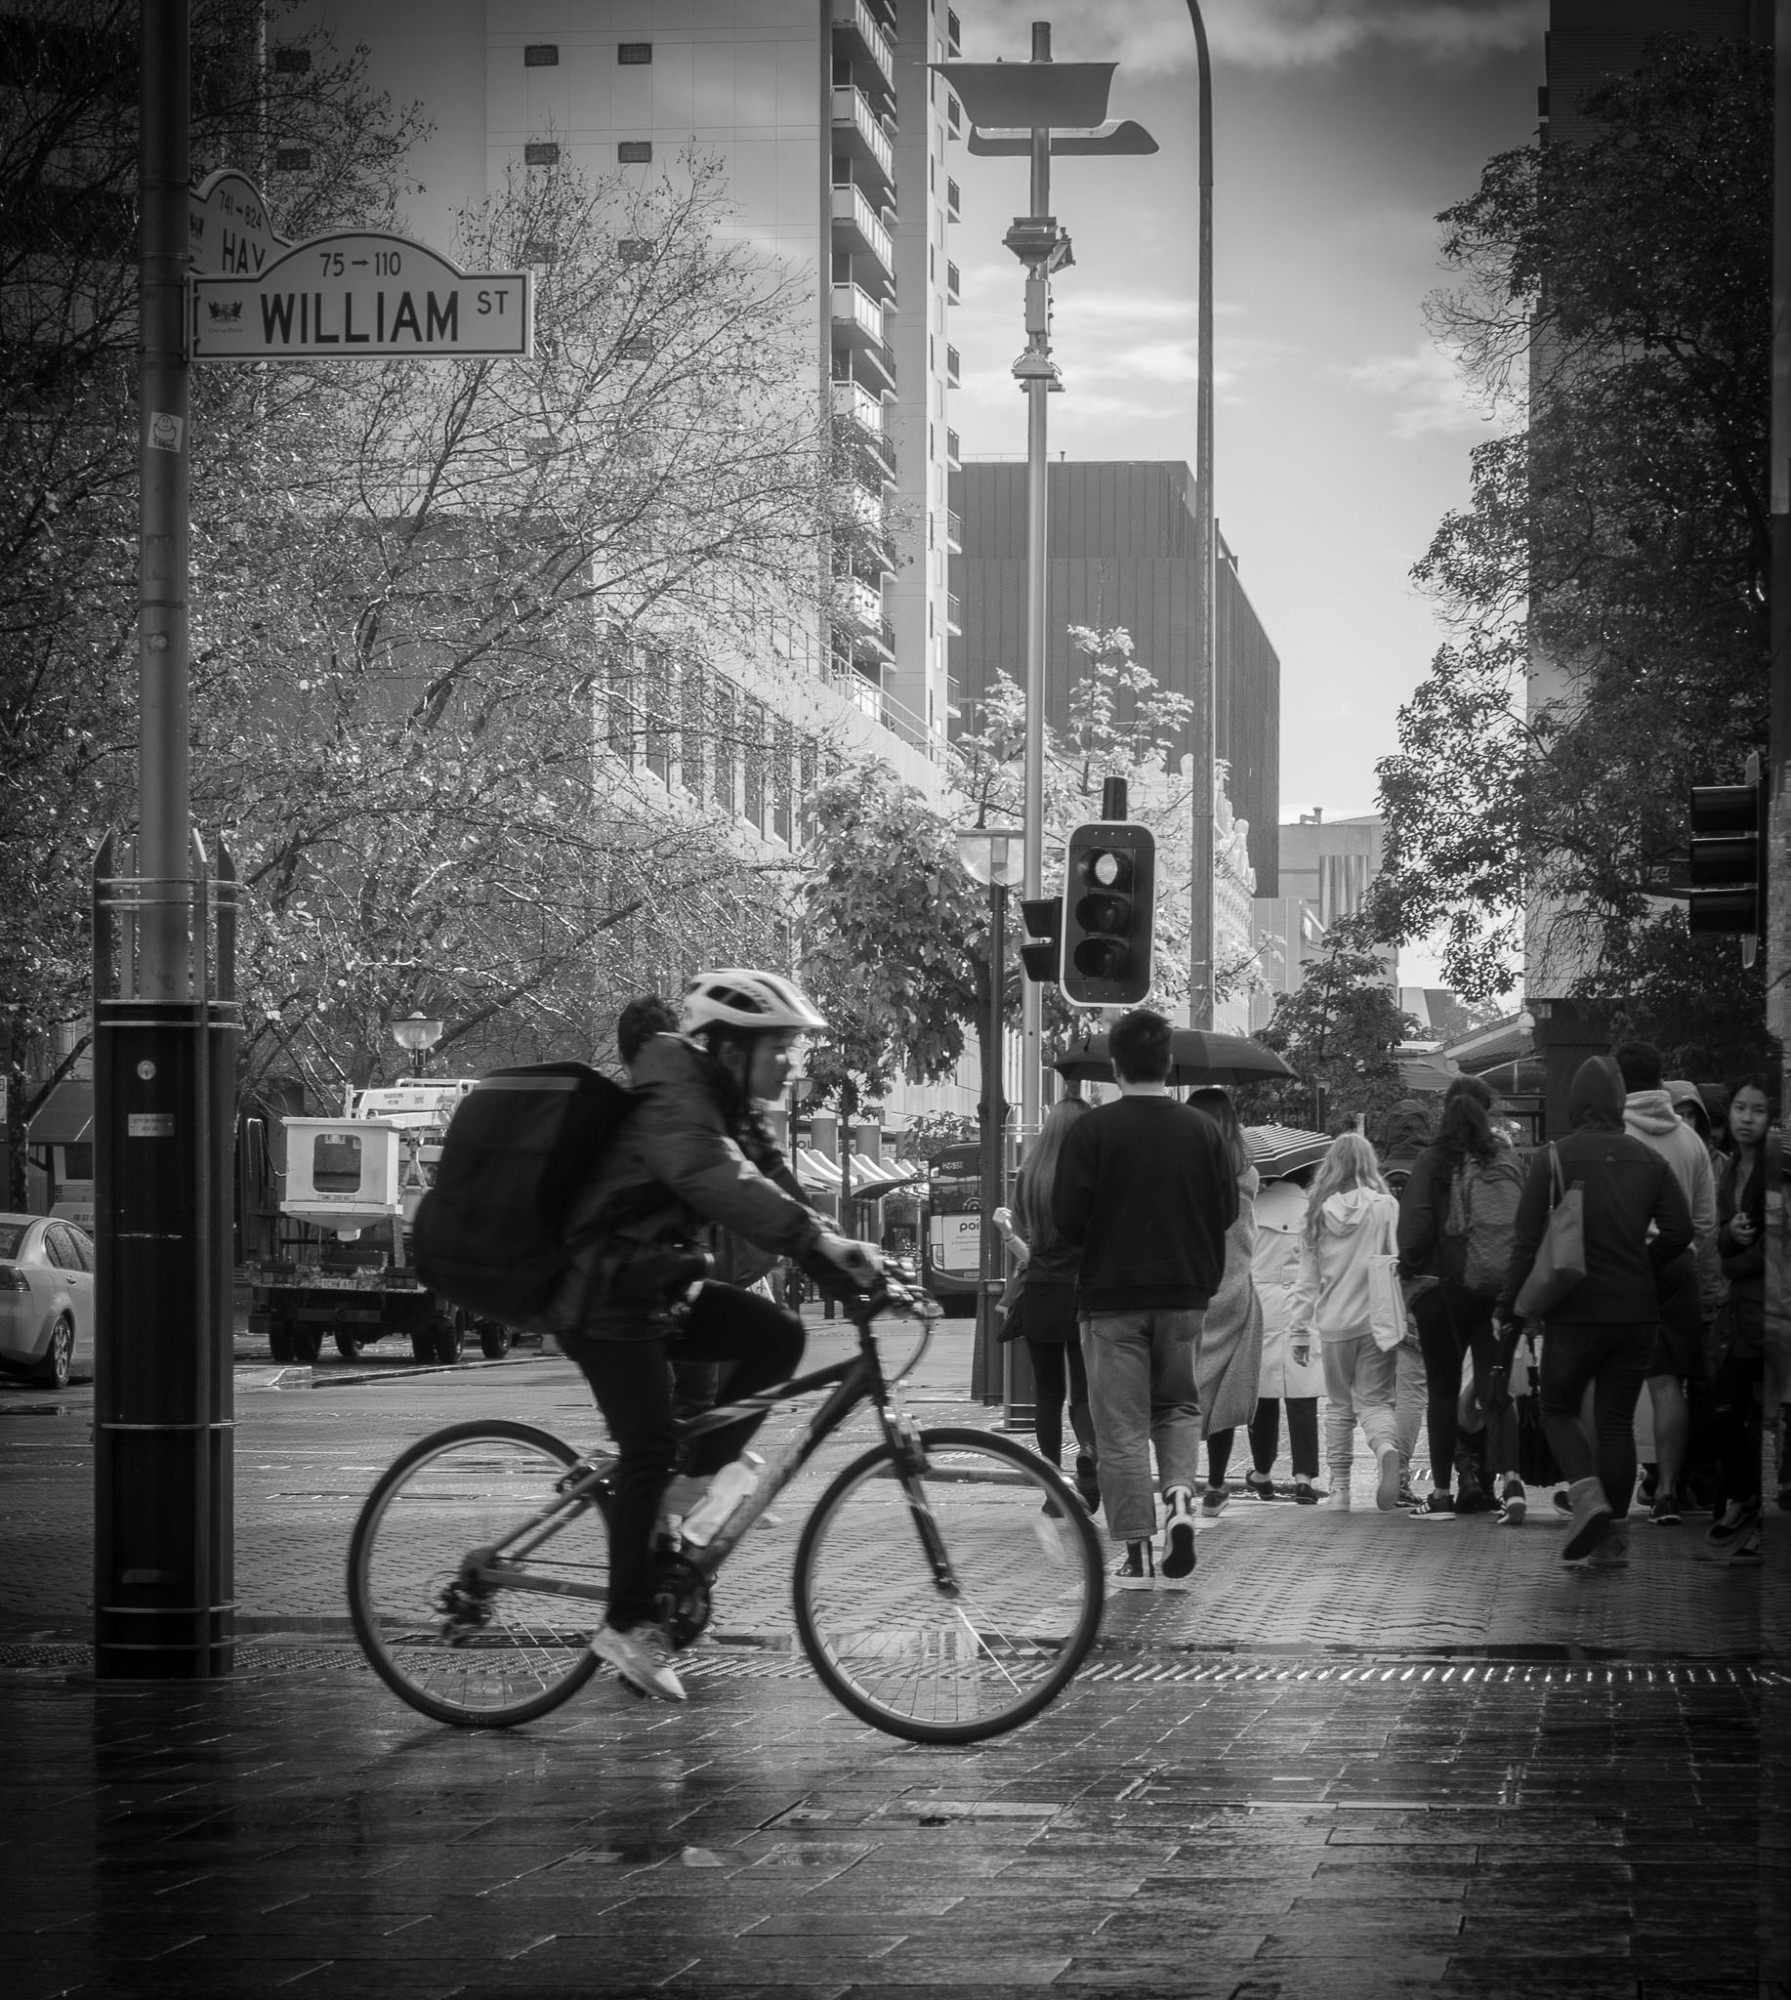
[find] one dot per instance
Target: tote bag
(1386, 1302)
(1561, 1256)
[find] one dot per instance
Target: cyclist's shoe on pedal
(642, 1660)
(1137, 1568)
(1178, 1535)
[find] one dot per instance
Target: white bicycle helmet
(738, 997)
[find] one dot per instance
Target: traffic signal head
(1109, 897)
(1728, 859)
(1042, 953)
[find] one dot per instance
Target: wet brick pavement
(1359, 1755)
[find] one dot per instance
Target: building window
(722, 735)
(634, 52)
(693, 747)
(782, 817)
(292, 160)
(755, 763)
(541, 55)
(657, 690)
(637, 347)
(634, 250)
(541, 153)
(292, 62)
(634, 152)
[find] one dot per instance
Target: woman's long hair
(1038, 1177)
(1218, 1106)
(1465, 1131)
(1349, 1164)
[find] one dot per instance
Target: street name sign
(228, 229)
(358, 295)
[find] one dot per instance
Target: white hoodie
(1331, 1293)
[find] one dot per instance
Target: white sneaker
(1386, 1492)
(642, 1659)
(1338, 1503)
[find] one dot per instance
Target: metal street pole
(1201, 944)
(1777, 942)
(1038, 387)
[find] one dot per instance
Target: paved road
(1357, 1756)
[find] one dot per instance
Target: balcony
(954, 373)
(953, 292)
(854, 217)
(854, 400)
(855, 26)
(954, 532)
(857, 317)
(953, 207)
(858, 133)
(953, 458)
(861, 603)
(954, 616)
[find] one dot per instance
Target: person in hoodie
(1350, 1218)
(1637, 1221)
(1405, 1138)
(1678, 1353)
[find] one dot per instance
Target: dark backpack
(1483, 1198)
(490, 1234)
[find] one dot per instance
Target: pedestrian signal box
(1109, 898)
(1042, 953)
(1728, 860)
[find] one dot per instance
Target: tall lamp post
(993, 855)
(419, 1034)
(1202, 948)
(1036, 109)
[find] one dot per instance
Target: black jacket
(1146, 1187)
(1628, 1186)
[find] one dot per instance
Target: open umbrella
(1279, 1150)
(1197, 1055)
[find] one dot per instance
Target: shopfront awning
(816, 1171)
(65, 1118)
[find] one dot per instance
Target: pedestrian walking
(1351, 1219)
(1738, 1382)
(1601, 1334)
(1677, 1358)
(1404, 1137)
(1280, 1216)
(1146, 1191)
(1228, 1360)
(681, 1161)
(1043, 1309)
(1456, 1227)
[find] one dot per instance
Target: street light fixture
(419, 1034)
(1038, 108)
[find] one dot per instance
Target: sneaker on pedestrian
(1613, 1551)
(1439, 1500)
(642, 1660)
(1471, 1497)
(1740, 1520)
(1666, 1512)
(1386, 1491)
(1560, 1501)
(1137, 1568)
(1212, 1502)
(1178, 1535)
(1260, 1486)
(1592, 1519)
(1514, 1502)
(1339, 1500)
(1306, 1494)
(1407, 1498)
(1088, 1482)
(1647, 1485)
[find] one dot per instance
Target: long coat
(1280, 1216)
(1228, 1361)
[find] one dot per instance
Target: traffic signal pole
(1778, 782)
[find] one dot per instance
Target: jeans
(632, 1382)
(1141, 1393)
(1612, 1359)
(1452, 1322)
(1362, 1381)
(1410, 1395)
(1302, 1435)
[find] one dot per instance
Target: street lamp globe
(993, 855)
(418, 1033)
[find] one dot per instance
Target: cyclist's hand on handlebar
(861, 1262)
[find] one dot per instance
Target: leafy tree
(1617, 290)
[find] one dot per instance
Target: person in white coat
(1275, 1265)
(1351, 1218)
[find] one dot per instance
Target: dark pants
(1302, 1435)
(1453, 1323)
(1059, 1376)
(1613, 1359)
(1735, 1418)
(632, 1382)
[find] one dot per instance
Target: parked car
(46, 1296)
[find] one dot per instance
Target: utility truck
(351, 1189)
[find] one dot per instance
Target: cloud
(1156, 35)
(1430, 396)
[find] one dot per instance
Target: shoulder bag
(1560, 1263)
(1386, 1301)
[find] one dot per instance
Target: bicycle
(947, 1584)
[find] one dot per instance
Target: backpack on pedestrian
(1483, 1198)
(489, 1235)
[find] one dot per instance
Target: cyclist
(694, 1151)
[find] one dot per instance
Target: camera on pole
(1728, 860)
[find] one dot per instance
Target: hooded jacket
(1331, 1292)
(1403, 1139)
(1648, 1115)
(1629, 1188)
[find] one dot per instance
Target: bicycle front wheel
(986, 1647)
(445, 1634)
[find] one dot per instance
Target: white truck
(353, 1184)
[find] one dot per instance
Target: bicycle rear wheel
(445, 1639)
(928, 1662)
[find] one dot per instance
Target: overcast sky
(1341, 127)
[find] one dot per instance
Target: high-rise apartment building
(832, 136)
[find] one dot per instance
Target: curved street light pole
(1201, 927)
